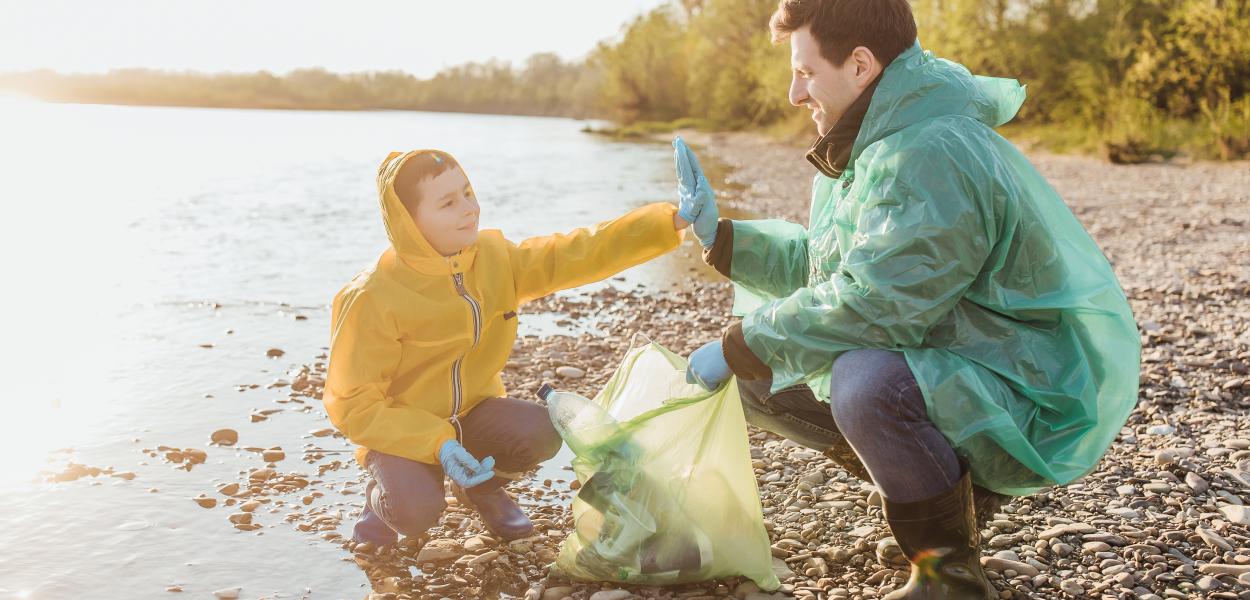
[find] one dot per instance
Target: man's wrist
(742, 362)
(719, 254)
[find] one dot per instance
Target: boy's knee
(538, 439)
(415, 514)
(544, 443)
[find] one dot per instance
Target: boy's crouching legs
(519, 435)
(404, 497)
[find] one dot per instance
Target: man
(959, 321)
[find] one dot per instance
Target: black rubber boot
(987, 502)
(500, 513)
(939, 536)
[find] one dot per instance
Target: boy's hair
(886, 27)
(416, 169)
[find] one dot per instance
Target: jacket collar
(831, 153)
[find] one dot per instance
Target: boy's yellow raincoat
(419, 339)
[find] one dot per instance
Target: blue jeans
(407, 496)
(876, 406)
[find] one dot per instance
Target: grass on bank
(1222, 134)
(646, 129)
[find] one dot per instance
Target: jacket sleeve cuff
(720, 255)
(739, 357)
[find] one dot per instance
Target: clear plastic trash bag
(668, 493)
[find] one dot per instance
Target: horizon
(284, 36)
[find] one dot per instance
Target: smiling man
(943, 326)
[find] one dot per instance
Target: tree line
(544, 85)
(1136, 78)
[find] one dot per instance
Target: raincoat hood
(406, 239)
(941, 241)
(917, 87)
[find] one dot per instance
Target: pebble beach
(1164, 515)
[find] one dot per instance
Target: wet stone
(225, 437)
(436, 552)
(273, 455)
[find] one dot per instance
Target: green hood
(918, 86)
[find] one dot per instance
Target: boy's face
(446, 211)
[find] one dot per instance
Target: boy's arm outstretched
(364, 353)
(543, 265)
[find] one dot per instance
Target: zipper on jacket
(457, 390)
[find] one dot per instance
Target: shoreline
(1162, 516)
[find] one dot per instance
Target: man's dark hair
(886, 27)
(418, 168)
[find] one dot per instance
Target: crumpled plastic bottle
(639, 529)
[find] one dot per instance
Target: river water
(152, 257)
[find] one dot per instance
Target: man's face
(446, 211)
(826, 89)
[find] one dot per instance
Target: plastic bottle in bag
(638, 528)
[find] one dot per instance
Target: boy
(419, 340)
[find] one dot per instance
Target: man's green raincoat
(940, 240)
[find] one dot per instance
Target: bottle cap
(544, 390)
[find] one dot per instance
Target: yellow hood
(406, 239)
(420, 339)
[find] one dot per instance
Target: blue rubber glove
(696, 201)
(462, 468)
(708, 367)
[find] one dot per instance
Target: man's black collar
(832, 152)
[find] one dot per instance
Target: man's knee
(865, 389)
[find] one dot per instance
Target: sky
(417, 36)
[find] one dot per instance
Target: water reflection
(154, 255)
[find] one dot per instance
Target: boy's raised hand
(462, 468)
(696, 201)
